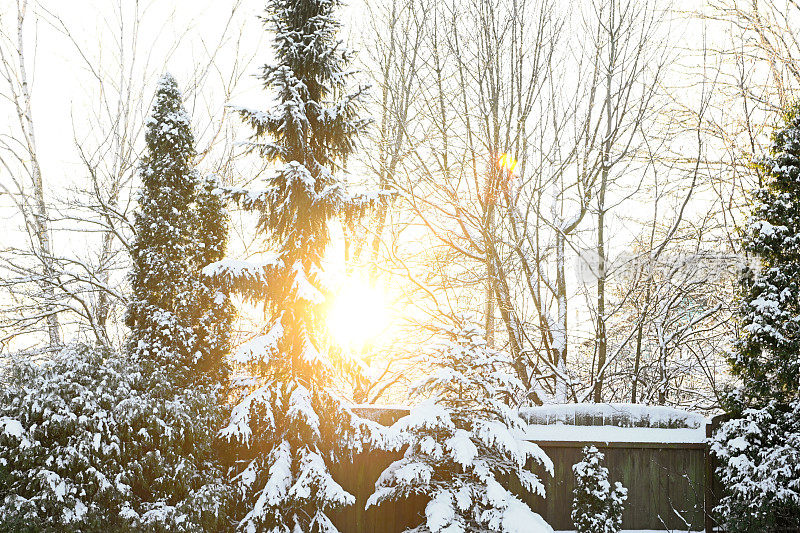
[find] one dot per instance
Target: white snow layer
(614, 414)
(608, 434)
(555, 423)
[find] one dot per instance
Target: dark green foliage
(180, 322)
(766, 358)
(216, 312)
(85, 446)
(759, 456)
(757, 449)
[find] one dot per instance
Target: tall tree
(757, 448)
(180, 323)
(180, 320)
(293, 425)
(766, 357)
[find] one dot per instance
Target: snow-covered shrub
(758, 448)
(597, 506)
(465, 444)
(84, 446)
(759, 455)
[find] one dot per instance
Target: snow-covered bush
(766, 357)
(85, 447)
(597, 506)
(759, 455)
(465, 444)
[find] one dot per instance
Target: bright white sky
(175, 35)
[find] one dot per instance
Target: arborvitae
(180, 322)
(597, 506)
(465, 444)
(767, 358)
(215, 310)
(164, 284)
(291, 423)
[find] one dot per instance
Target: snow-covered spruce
(290, 425)
(179, 321)
(465, 444)
(766, 358)
(759, 455)
(597, 505)
(758, 447)
(85, 446)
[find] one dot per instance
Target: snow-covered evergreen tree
(759, 455)
(86, 446)
(215, 311)
(465, 444)
(179, 322)
(757, 447)
(291, 424)
(95, 441)
(766, 358)
(597, 506)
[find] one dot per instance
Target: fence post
(709, 492)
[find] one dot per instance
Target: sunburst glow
(358, 314)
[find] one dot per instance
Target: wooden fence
(667, 485)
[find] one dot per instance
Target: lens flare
(507, 162)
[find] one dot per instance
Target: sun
(357, 315)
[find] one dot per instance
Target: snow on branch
(260, 348)
(260, 121)
(249, 278)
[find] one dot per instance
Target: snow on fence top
(614, 422)
(614, 414)
(607, 422)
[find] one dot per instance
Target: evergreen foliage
(292, 426)
(215, 310)
(759, 456)
(179, 322)
(465, 444)
(92, 441)
(766, 358)
(597, 506)
(757, 448)
(85, 446)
